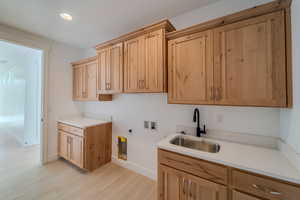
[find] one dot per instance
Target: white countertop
(82, 122)
(269, 162)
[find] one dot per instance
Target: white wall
(290, 118)
(60, 90)
(59, 77)
(130, 110)
(32, 75)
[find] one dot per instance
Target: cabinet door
(63, 145)
(195, 188)
(169, 183)
(154, 68)
(115, 84)
(91, 80)
(133, 60)
(177, 185)
(191, 69)
(76, 150)
(241, 196)
(103, 72)
(249, 63)
(78, 82)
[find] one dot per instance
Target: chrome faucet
(196, 118)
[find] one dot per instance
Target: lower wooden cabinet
(178, 185)
(178, 179)
(86, 148)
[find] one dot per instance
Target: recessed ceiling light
(66, 16)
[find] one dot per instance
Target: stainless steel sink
(201, 145)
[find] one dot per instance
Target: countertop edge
(83, 127)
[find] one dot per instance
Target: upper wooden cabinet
(144, 60)
(84, 80)
(191, 69)
(250, 62)
(240, 60)
(145, 69)
(132, 64)
(110, 69)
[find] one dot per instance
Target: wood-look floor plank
(23, 178)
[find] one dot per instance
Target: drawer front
(204, 169)
(241, 196)
(264, 187)
(71, 129)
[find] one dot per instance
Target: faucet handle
(204, 129)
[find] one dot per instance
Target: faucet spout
(196, 118)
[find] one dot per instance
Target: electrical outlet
(153, 126)
(146, 124)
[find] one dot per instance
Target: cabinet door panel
(116, 68)
(63, 145)
(91, 76)
(196, 188)
(132, 63)
(76, 150)
(169, 183)
(250, 62)
(177, 185)
(78, 82)
(191, 69)
(103, 76)
(154, 64)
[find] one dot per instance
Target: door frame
(18, 37)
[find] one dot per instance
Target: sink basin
(201, 145)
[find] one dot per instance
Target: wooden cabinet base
(181, 177)
(88, 151)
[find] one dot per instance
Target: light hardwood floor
(23, 178)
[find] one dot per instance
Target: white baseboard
(292, 155)
(135, 167)
(52, 158)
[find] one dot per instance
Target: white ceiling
(94, 21)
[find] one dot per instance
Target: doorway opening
(21, 70)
